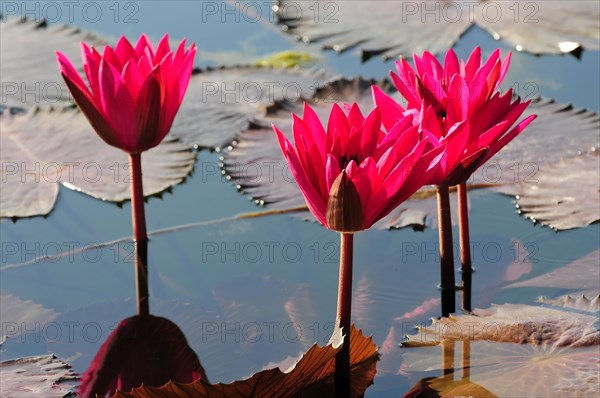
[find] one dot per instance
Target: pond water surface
(250, 293)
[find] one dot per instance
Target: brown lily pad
(311, 376)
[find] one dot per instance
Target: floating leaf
(45, 147)
(405, 27)
(42, 376)
(311, 376)
(578, 303)
(547, 140)
(566, 195)
(285, 59)
(581, 274)
(220, 103)
(17, 315)
(548, 27)
(29, 73)
(514, 323)
(507, 370)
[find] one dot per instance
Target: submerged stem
(446, 251)
(139, 233)
(344, 304)
(465, 246)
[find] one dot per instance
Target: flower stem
(446, 251)
(465, 246)
(139, 233)
(342, 359)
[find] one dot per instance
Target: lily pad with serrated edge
(566, 194)
(45, 147)
(513, 323)
(581, 274)
(220, 102)
(30, 75)
(490, 369)
(42, 376)
(402, 27)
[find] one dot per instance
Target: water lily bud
(344, 211)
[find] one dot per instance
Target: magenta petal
(111, 57)
(391, 111)
(314, 124)
(69, 72)
(332, 170)
(504, 69)
(451, 66)
(162, 49)
(313, 199)
(396, 131)
(473, 64)
(509, 137)
(370, 133)
(144, 45)
(338, 131)
(125, 50)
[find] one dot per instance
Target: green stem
(344, 305)
(446, 251)
(139, 233)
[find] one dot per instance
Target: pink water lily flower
(353, 174)
(460, 104)
(134, 93)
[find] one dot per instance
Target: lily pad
(17, 315)
(30, 76)
(404, 27)
(547, 140)
(42, 376)
(220, 103)
(581, 274)
(515, 323)
(46, 146)
(578, 303)
(492, 369)
(311, 376)
(566, 195)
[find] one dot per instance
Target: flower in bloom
(134, 93)
(460, 105)
(353, 174)
(147, 350)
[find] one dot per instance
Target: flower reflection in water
(147, 350)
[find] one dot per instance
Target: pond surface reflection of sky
(249, 293)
